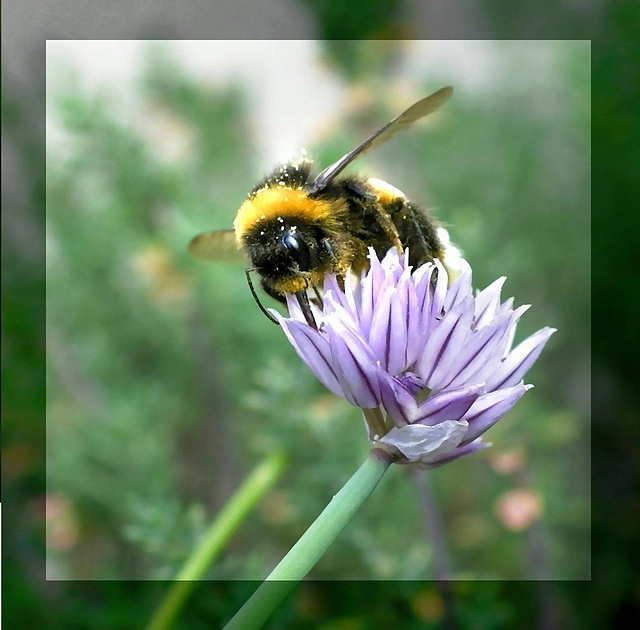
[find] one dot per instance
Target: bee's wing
(418, 110)
(219, 245)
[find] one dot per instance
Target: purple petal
(295, 312)
(380, 327)
(397, 400)
(336, 311)
(410, 382)
(416, 441)
(512, 331)
(393, 263)
(352, 295)
(456, 453)
(445, 344)
(458, 291)
(423, 274)
(484, 347)
(449, 405)
(313, 348)
(488, 302)
(376, 273)
(506, 306)
(371, 283)
(404, 260)
(354, 364)
(413, 320)
(426, 301)
(519, 360)
(331, 286)
(438, 293)
(430, 296)
(388, 334)
(488, 409)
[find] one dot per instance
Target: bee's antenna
(269, 316)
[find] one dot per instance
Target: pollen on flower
(431, 365)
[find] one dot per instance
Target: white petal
(416, 440)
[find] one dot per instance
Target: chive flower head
(430, 364)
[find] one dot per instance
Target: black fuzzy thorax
(417, 229)
(293, 174)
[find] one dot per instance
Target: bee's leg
(421, 235)
(386, 223)
(424, 250)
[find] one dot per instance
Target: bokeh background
(136, 346)
(166, 383)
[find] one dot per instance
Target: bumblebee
(296, 226)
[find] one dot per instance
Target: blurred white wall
(292, 93)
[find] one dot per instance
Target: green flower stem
(252, 489)
(310, 548)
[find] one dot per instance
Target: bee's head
(288, 252)
(291, 239)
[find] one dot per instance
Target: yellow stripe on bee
(291, 285)
(279, 201)
(384, 191)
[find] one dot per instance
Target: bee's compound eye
(298, 250)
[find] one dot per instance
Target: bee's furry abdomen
(369, 200)
(418, 232)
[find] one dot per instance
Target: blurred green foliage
(165, 383)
